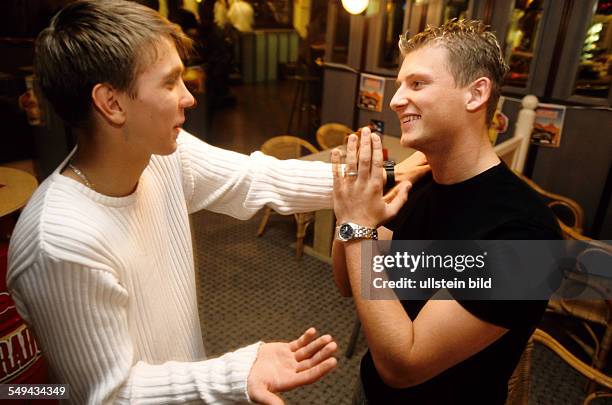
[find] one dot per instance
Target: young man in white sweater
(101, 263)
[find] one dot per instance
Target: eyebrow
(412, 75)
(174, 73)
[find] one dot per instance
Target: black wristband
(389, 166)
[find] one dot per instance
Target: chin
(408, 140)
(168, 150)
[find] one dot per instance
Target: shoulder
(522, 212)
(58, 223)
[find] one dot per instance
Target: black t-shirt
(493, 205)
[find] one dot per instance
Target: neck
(463, 159)
(112, 168)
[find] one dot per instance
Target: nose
(399, 100)
(187, 100)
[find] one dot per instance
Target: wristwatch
(350, 231)
(389, 166)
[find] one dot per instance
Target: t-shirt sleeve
(513, 314)
(507, 314)
(522, 229)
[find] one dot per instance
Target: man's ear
(107, 101)
(479, 92)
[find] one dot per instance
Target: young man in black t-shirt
(455, 350)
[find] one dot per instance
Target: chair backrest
(587, 315)
(542, 337)
(597, 255)
(514, 150)
(287, 147)
(567, 211)
(518, 385)
(332, 135)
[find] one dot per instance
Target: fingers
(365, 154)
(336, 167)
(377, 160)
(391, 194)
(400, 199)
(317, 357)
(312, 348)
(303, 340)
(313, 374)
(351, 156)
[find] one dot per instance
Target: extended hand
(412, 168)
(358, 194)
(281, 367)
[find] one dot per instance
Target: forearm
(387, 327)
(223, 379)
(339, 268)
(291, 186)
(239, 185)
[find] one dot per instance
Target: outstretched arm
(239, 185)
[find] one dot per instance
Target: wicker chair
(332, 135)
(568, 211)
(583, 324)
(587, 324)
(602, 381)
(289, 147)
(518, 385)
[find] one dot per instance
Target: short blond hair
(473, 52)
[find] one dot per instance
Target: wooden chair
(518, 385)
(587, 324)
(289, 147)
(331, 135)
(600, 379)
(568, 212)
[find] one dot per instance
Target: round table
(16, 187)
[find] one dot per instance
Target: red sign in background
(21, 361)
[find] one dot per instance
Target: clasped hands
(358, 192)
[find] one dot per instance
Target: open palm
(281, 366)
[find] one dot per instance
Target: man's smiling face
(428, 103)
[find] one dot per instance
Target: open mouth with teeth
(410, 118)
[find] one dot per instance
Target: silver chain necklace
(81, 175)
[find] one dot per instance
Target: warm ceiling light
(355, 6)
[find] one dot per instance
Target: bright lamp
(355, 6)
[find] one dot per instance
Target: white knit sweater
(107, 284)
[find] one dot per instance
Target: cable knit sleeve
(80, 317)
(239, 185)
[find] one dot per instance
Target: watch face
(346, 231)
